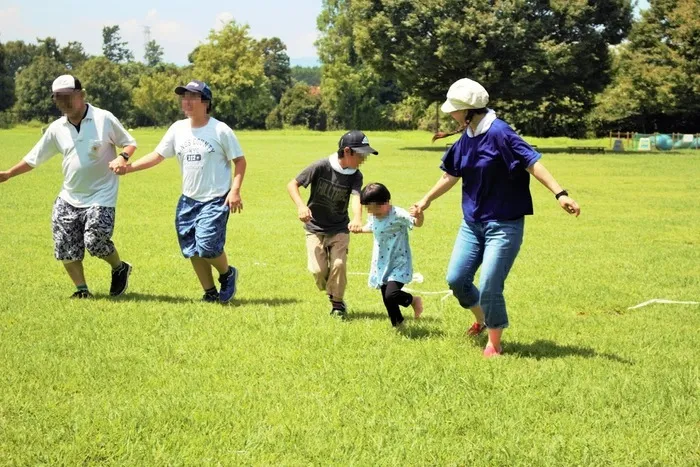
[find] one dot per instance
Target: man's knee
(98, 246)
(338, 264)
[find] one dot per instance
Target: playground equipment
(632, 141)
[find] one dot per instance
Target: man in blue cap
(206, 148)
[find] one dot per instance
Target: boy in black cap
(333, 180)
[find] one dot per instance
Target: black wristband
(561, 193)
(124, 155)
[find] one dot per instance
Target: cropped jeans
(493, 246)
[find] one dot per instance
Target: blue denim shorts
(201, 226)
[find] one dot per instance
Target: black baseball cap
(357, 141)
(195, 86)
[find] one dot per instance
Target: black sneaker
(339, 310)
(81, 294)
(120, 279)
(210, 297)
(342, 314)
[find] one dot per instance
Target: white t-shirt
(205, 156)
(87, 180)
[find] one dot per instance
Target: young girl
(391, 257)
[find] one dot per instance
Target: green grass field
(158, 378)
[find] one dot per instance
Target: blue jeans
(493, 246)
(201, 226)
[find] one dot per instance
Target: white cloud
(152, 13)
(222, 19)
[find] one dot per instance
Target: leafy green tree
(33, 89)
(113, 47)
(73, 55)
(546, 56)
(231, 63)
(154, 53)
(154, 97)
(354, 95)
(106, 86)
(18, 55)
(300, 106)
(657, 86)
(308, 75)
(7, 83)
(48, 47)
(276, 65)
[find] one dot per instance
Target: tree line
(558, 67)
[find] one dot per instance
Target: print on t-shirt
(331, 195)
(191, 152)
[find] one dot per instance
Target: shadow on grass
(415, 332)
(548, 349)
(272, 301)
(141, 297)
(436, 148)
(357, 315)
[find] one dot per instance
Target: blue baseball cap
(195, 86)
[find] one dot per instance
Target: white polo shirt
(87, 180)
(205, 156)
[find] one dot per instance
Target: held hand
(234, 202)
(355, 226)
(418, 208)
(569, 205)
(304, 214)
(118, 166)
(4, 176)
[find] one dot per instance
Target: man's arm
(20, 168)
(233, 200)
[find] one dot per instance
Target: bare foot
(417, 305)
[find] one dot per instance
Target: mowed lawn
(158, 378)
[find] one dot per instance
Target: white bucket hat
(465, 94)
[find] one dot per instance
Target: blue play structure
(663, 142)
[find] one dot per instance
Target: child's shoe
(476, 329)
(339, 309)
(491, 351)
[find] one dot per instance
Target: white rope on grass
(418, 279)
(663, 301)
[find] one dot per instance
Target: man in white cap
(83, 214)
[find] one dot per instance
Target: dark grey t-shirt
(330, 196)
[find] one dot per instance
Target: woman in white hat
(494, 164)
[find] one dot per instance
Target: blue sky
(176, 25)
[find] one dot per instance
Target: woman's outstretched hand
(569, 205)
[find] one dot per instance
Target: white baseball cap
(465, 94)
(66, 83)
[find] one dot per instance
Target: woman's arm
(540, 172)
(443, 185)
